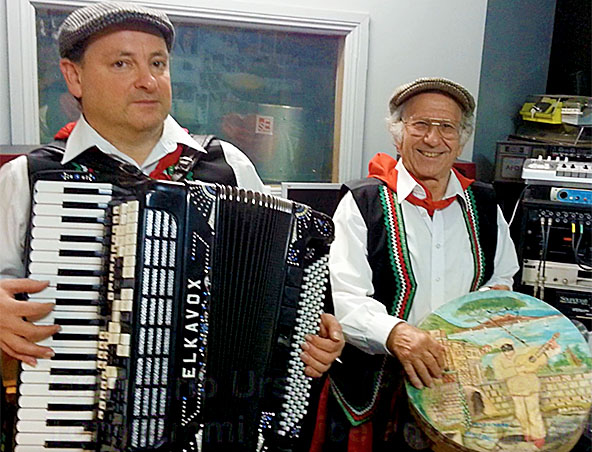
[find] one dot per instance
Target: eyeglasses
(419, 127)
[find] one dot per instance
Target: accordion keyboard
(57, 397)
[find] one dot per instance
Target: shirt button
(437, 279)
(438, 246)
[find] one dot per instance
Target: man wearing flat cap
(410, 237)
(115, 61)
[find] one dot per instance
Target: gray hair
(395, 124)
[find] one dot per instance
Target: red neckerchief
(158, 173)
(65, 131)
(382, 166)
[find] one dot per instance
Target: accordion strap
(190, 157)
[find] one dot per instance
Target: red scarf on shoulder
(383, 167)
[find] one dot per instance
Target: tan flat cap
(453, 89)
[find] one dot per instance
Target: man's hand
(500, 287)
(321, 350)
(17, 335)
(421, 356)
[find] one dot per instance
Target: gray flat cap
(85, 22)
(453, 89)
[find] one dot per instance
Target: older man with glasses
(412, 236)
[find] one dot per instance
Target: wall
(411, 39)
(516, 53)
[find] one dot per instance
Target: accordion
(183, 307)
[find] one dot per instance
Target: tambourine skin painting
(518, 376)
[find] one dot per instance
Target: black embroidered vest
(357, 383)
(210, 166)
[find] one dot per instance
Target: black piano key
(80, 238)
(81, 253)
(83, 205)
(74, 337)
(73, 357)
(69, 423)
(74, 302)
(69, 445)
(69, 272)
(84, 190)
(78, 287)
(80, 321)
(82, 220)
(71, 387)
(55, 371)
(69, 407)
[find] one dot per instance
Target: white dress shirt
(15, 196)
(441, 259)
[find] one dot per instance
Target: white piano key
(39, 439)
(53, 256)
(76, 308)
(58, 222)
(44, 365)
(40, 414)
(53, 245)
(52, 293)
(78, 351)
(28, 448)
(55, 279)
(41, 427)
(51, 342)
(43, 402)
(78, 329)
(58, 234)
(46, 377)
(53, 316)
(80, 308)
(53, 186)
(38, 389)
(56, 210)
(52, 268)
(59, 198)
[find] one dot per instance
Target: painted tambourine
(518, 376)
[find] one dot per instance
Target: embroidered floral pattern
(398, 253)
(472, 222)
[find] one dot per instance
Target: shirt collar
(83, 137)
(406, 184)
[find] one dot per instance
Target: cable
(545, 250)
(517, 204)
(576, 248)
(541, 254)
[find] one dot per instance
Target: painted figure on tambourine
(519, 367)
